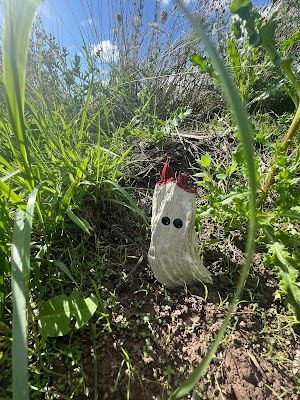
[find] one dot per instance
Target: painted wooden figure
(173, 254)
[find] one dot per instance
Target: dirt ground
(251, 363)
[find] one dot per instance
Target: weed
(169, 372)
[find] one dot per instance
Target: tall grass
(15, 44)
(149, 61)
(46, 158)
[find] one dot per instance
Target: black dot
(177, 223)
(165, 220)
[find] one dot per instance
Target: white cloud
(106, 50)
(167, 2)
(87, 21)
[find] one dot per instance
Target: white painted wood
(173, 254)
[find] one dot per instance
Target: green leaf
(203, 63)
(56, 314)
(238, 155)
(4, 221)
(205, 160)
(18, 20)
(64, 205)
(83, 309)
(20, 267)
(8, 176)
(27, 231)
(11, 195)
(236, 28)
(19, 332)
(197, 59)
(77, 221)
(81, 168)
(83, 117)
(286, 63)
(237, 4)
(221, 176)
(254, 39)
(267, 33)
(286, 44)
(66, 270)
(287, 268)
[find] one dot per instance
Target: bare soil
(167, 333)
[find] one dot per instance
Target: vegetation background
(84, 138)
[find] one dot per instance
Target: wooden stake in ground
(173, 254)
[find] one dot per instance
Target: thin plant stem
(283, 149)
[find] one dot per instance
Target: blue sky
(65, 18)
(69, 20)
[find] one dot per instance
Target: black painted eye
(165, 220)
(177, 223)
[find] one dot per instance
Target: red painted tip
(181, 181)
(167, 176)
(167, 171)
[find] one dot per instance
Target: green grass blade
(19, 16)
(4, 162)
(77, 221)
(27, 231)
(65, 202)
(19, 344)
(3, 222)
(235, 103)
(83, 117)
(66, 270)
(127, 196)
(8, 176)
(20, 265)
(11, 195)
(118, 232)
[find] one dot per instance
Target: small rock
(296, 364)
(243, 324)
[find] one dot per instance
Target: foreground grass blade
(246, 137)
(3, 220)
(19, 15)
(19, 344)
(20, 269)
